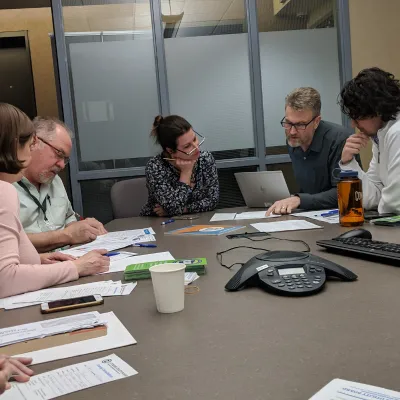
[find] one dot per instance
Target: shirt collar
(44, 187)
(317, 142)
(318, 139)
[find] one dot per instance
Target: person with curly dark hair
(372, 101)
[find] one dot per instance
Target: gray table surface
(249, 344)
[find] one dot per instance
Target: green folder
(134, 272)
(388, 221)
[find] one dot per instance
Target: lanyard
(42, 206)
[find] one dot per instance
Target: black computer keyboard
(384, 251)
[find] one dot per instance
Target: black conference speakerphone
(288, 273)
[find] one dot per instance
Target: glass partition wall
(225, 65)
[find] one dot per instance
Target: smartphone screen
(71, 302)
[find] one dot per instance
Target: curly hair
(372, 93)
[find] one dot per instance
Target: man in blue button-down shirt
(315, 148)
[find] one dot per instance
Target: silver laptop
(262, 189)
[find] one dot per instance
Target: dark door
(16, 79)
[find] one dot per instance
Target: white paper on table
(163, 256)
(117, 336)
(145, 239)
(223, 217)
(26, 298)
(119, 265)
(255, 215)
(333, 219)
(296, 225)
(190, 277)
(108, 288)
(124, 289)
(73, 378)
(121, 256)
(339, 389)
(35, 330)
(112, 241)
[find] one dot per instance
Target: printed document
(223, 217)
(255, 215)
(117, 336)
(36, 330)
(281, 226)
(190, 277)
(338, 389)
(113, 241)
(107, 288)
(330, 219)
(242, 216)
(73, 378)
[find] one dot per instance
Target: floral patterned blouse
(173, 196)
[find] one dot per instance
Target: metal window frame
(344, 46)
(260, 160)
(66, 99)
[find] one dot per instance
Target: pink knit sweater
(20, 268)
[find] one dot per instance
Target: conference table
(248, 344)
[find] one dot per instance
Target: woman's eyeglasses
(200, 139)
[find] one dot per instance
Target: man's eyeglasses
(201, 140)
(299, 127)
(59, 153)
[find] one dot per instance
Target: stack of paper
(242, 216)
(117, 336)
(190, 277)
(141, 271)
(284, 226)
(36, 330)
(113, 241)
(107, 288)
(328, 216)
(73, 378)
(339, 389)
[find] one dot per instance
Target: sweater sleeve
(371, 182)
(15, 277)
(210, 192)
(173, 199)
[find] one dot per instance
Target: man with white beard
(45, 210)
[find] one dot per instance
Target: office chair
(128, 197)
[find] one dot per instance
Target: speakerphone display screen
(291, 271)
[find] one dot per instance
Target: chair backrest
(128, 197)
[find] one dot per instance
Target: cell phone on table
(71, 304)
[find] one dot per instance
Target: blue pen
(144, 245)
(330, 213)
(112, 254)
(167, 222)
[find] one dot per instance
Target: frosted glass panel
(290, 59)
(116, 98)
(209, 85)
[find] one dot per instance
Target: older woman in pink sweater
(21, 267)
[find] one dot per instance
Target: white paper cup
(169, 286)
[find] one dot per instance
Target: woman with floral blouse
(183, 178)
